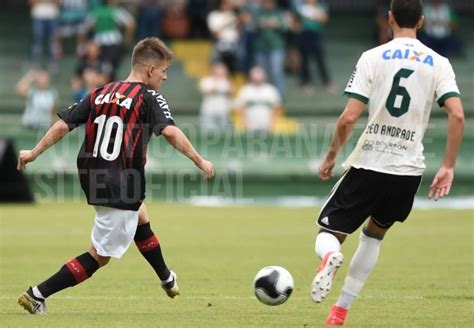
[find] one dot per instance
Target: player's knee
(372, 230)
(143, 215)
(102, 260)
(341, 237)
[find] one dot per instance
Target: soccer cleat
(322, 282)
(336, 316)
(170, 286)
(32, 304)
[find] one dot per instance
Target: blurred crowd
(263, 40)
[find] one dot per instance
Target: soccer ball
(273, 285)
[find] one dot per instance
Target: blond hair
(151, 49)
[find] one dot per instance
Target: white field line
(421, 203)
(215, 298)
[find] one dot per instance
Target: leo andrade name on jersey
(392, 131)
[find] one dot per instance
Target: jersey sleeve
(76, 114)
(446, 86)
(360, 82)
(160, 114)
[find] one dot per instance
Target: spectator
(149, 18)
(216, 103)
(384, 33)
(245, 50)
(89, 79)
(270, 42)
(92, 59)
(258, 102)
(41, 99)
(197, 11)
(44, 18)
(72, 16)
(311, 16)
(440, 23)
(176, 21)
(91, 62)
(223, 25)
(106, 21)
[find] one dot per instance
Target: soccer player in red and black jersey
(120, 118)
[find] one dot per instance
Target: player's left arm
(178, 140)
(162, 123)
(443, 179)
(52, 136)
(344, 128)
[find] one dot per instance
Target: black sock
(72, 273)
(149, 246)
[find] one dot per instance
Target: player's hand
(325, 169)
(24, 157)
(441, 184)
(207, 167)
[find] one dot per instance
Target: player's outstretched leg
(149, 245)
(72, 273)
(362, 264)
(322, 282)
(328, 249)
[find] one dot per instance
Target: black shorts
(360, 194)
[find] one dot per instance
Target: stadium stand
(293, 159)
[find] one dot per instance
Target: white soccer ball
(273, 285)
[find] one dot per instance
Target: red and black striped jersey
(120, 118)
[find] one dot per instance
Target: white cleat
(32, 305)
(170, 286)
(322, 282)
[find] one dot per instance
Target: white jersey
(400, 80)
(259, 102)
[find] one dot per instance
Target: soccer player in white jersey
(399, 80)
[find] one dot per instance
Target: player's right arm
(52, 136)
(178, 140)
(344, 128)
(358, 90)
(443, 179)
(69, 119)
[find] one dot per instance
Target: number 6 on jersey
(398, 90)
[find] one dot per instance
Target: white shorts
(113, 230)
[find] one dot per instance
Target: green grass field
(424, 277)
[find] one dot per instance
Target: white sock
(325, 243)
(37, 293)
(362, 264)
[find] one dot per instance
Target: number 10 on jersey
(108, 125)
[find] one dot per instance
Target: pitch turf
(424, 277)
